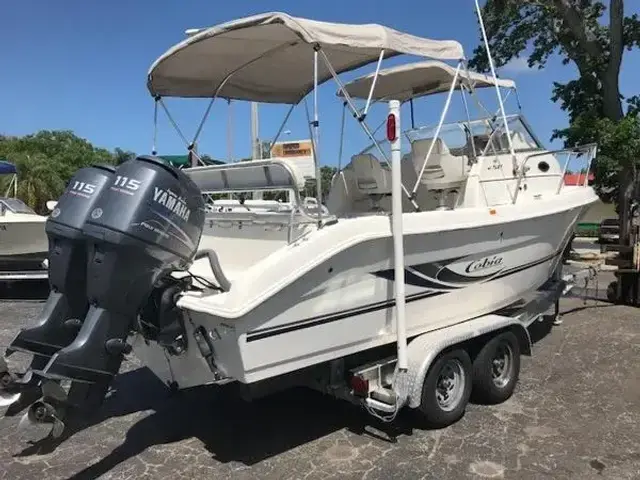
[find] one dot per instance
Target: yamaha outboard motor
(145, 226)
(67, 304)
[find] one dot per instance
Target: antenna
(495, 81)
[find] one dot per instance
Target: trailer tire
(446, 389)
(496, 369)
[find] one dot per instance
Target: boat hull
(23, 244)
(345, 304)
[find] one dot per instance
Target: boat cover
(419, 79)
(269, 57)
(7, 168)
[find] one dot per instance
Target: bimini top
(269, 57)
(413, 80)
(7, 168)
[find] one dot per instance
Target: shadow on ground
(215, 415)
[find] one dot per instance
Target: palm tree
(39, 180)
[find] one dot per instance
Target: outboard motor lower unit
(67, 304)
(146, 224)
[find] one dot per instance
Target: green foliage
(618, 146)
(593, 36)
(326, 175)
(48, 159)
(121, 156)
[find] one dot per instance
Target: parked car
(609, 232)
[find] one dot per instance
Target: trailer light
(391, 127)
(360, 386)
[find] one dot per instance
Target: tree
(326, 175)
(121, 156)
(46, 160)
(38, 180)
(578, 31)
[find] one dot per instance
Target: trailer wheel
(496, 369)
(446, 389)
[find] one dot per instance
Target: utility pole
(255, 141)
(255, 132)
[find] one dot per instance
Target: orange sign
(292, 149)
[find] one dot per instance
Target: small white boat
(23, 241)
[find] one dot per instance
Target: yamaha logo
(172, 202)
(487, 263)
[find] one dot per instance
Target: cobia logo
(487, 263)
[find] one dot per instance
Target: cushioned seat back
(443, 170)
(370, 177)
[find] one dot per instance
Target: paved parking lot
(575, 414)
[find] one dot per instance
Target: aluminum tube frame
(398, 238)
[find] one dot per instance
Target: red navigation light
(391, 127)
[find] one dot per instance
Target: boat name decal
(484, 263)
(172, 202)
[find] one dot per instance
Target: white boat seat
(432, 172)
(371, 178)
(443, 171)
(446, 182)
(433, 169)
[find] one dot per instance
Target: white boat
(307, 290)
(308, 294)
(23, 241)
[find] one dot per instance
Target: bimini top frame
(265, 58)
(414, 80)
(410, 81)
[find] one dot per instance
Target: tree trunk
(611, 101)
(612, 109)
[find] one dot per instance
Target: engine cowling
(146, 225)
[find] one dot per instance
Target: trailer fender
(423, 349)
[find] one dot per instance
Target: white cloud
(518, 65)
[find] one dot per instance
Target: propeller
(9, 391)
(44, 417)
(12, 385)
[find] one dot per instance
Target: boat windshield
(15, 205)
(488, 137)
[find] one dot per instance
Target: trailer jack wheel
(496, 369)
(446, 389)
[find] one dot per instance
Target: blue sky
(82, 65)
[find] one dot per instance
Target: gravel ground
(575, 414)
